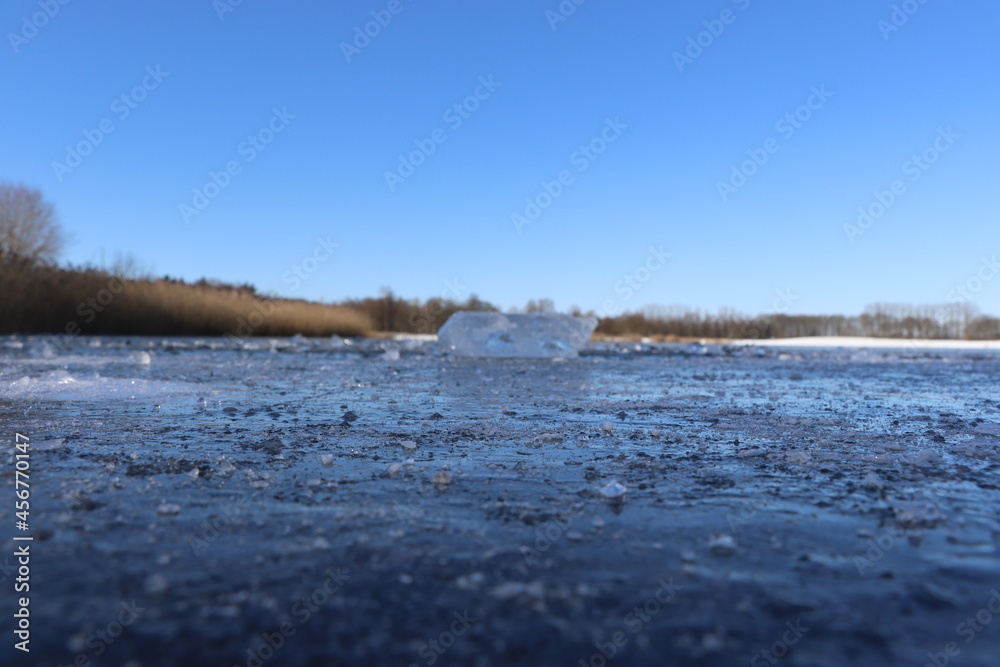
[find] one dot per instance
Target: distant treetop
(28, 225)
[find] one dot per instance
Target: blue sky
(642, 109)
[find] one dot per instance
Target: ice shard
(538, 335)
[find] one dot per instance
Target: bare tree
(28, 225)
(540, 306)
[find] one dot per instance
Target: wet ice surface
(692, 503)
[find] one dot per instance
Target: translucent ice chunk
(142, 358)
(43, 350)
(989, 429)
(61, 385)
(613, 489)
(722, 545)
(471, 334)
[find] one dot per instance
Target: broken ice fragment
(872, 481)
(142, 358)
(43, 445)
(224, 468)
(256, 481)
(798, 458)
(547, 439)
(326, 460)
(470, 582)
(540, 335)
(988, 429)
(924, 458)
(722, 545)
(613, 489)
(528, 593)
(912, 514)
(168, 509)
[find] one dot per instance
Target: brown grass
(46, 299)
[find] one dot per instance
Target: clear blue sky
(889, 95)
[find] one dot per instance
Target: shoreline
(804, 341)
(860, 341)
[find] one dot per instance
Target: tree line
(391, 313)
(31, 238)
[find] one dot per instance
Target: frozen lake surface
(301, 502)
